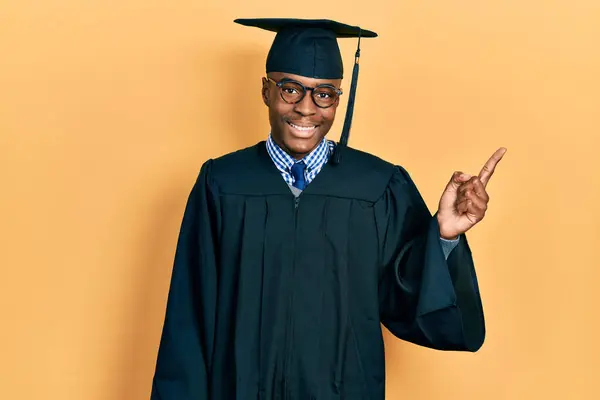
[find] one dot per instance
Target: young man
(293, 251)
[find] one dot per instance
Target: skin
(463, 203)
(305, 113)
(465, 200)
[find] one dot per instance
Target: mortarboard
(308, 47)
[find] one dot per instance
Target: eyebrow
(289, 79)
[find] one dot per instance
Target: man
(293, 251)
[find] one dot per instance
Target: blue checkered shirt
(314, 161)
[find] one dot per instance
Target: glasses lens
(325, 96)
(292, 92)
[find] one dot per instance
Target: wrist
(445, 233)
(450, 239)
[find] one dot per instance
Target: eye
(291, 89)
(325, 93)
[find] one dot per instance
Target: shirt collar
(314, 160)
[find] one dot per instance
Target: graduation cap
(308, 47)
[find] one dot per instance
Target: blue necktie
(298, 174)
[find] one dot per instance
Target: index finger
(488, 169)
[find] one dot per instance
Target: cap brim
(277, 24)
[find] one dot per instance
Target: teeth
(303, 128)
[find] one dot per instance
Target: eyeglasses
(293, 92)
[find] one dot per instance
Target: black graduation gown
(277, 298)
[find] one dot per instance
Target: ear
(265, 91)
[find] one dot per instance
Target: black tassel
(350, 110)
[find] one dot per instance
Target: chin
(298, 146)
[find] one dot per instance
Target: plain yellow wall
(108, 109)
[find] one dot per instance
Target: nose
(306, 106)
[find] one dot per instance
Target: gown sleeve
(425, 298)
(184, 356)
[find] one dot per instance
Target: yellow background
(108, 109)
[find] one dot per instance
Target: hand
(464, 201)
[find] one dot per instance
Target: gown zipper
(288, 330)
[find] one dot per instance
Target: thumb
(457, 179)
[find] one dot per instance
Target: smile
(302, 128)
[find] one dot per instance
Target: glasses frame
(306, 89)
